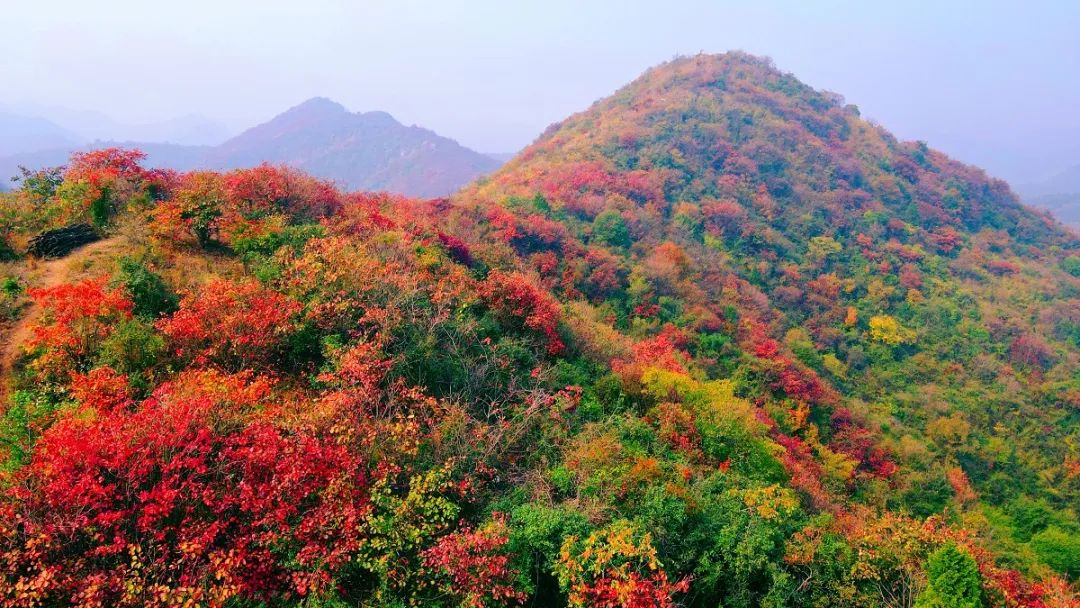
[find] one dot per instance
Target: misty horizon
(985, 87)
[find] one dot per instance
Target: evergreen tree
(954, 580)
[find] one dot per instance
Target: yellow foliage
(950, 431)
(886, 329)
(710, 400)
(769, 502)
(822, 247)
(834, 365)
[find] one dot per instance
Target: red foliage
(77, 318)
(102, 389)
(724, 217)
(473, 567)
(677, 427)
(1002, 267)
(1031, 351)
(177, 502)
(805, 471)
(107, 163)
(910, 277)
(259, 190)
(514, 295)
(860, 444)
(365, 213)
(793, 380)
(798, 383)
(767, 348)
(238, 325)
(634, 591)
(1016, 592)
(457, 248)
(267, 189)
(946, 239)
(666, 350)
(605, 275)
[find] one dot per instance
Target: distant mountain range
(1060, 194)
(32, 128)
(358, 151)
(29, 133)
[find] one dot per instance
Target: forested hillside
(716, 341)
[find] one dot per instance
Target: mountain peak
(734, 127)
(318, 106)
(378, 117)
(367, 150)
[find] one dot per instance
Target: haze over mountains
(1060, 194)
(45, 127)
(358, 151)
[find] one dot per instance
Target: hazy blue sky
(996, 83)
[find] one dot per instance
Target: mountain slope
(363, 151)
(918, 293)
(28, 134)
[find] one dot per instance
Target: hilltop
(718, 191)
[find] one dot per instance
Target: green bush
(1059, 549)
(150, 295)
(610, 228)
(953, 581)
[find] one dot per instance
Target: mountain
(727, 200)
(714, 341)
(1060, 183)
(502, 157)
(88, 125)
(1059, 193)
(1065, 207)
(362, 151)
(29, 134)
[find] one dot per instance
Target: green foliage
(41, 184)
(11, 291)
(953, 581)
(101, 209)
(27, 414)
(536, 536)
(609, 228)
(293, 237)
(1029, 517)
(150, 295)
(1059, 549)
(928, 495)
(1071, 265)
(399, 528)
(133, 347)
